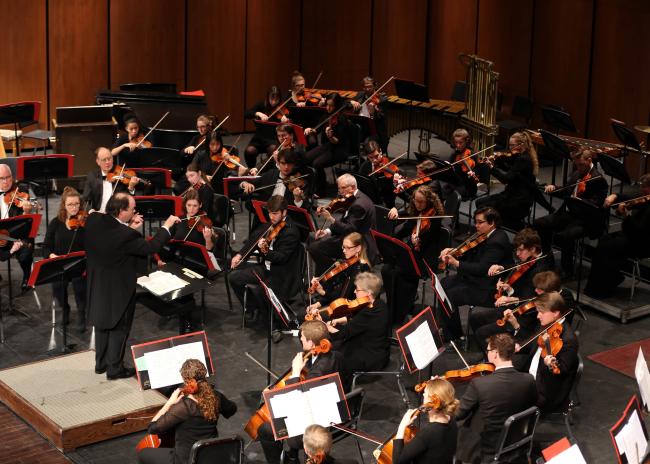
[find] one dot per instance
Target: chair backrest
(220, 209)
(368, 187)
(452, 207)
(573, 396)
(355, 400)
(222, 244)
(228, 450)
(444, 240)
(517, 434)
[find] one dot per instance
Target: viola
(141, 141)
(524, 308)
(515, 275)
(342, 307)
(77, 221)
(262, 415)
(467, 374)
(410, 183)
(231, 162)
(123, 175)
(551, 343)
(467, 164)
(340, 203)
(16, 197)
(335, 269)
(464, 247)
(494, 156)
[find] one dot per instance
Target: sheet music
(324, 401)
(161, 282)
(631, 440)
(441, 292)
(422, 345)
(164, 366)
(643, 377)
(573, 455)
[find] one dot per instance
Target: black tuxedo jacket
(523, 287)
(474, 264)
(595, 190)
(114, 253)
(517, 174)
(486, 404)
(360, 217)
(270, 177)
(94, 189)
(325, 363)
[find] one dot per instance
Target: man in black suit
(114, 253)
(567, 225)
(490, 400)
(313, 334)
(359, 217)
(471, 285)
(280, 256)
(98, 189)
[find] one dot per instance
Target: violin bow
(152, 129)
(381, 168)
(574, 184)
(517, 266)
(545, 329)
(445, 168)
(244, 256)
(193, 225)
(284, 182)
(212, 132)
(232, 161)
(520, 302)
(271, 157)
(419, 217)
(458, 353)
(118, 179)
(643, 197)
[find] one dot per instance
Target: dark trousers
(255, 147)
(324, 252)
(567, 230)
(320, 158)
(273, 449)
(110, 344)
(513, 213)
(243, 275)
(401, 291)
(156, 456)
(460, 293)
(25, 258)
(60, 293)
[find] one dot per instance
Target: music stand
(61, 269)
(154, 157)
(415, 93)
(558, 119)
(615, 169)
(19, 113)
(307, 116)
(21, 227)
(40, 169)
(160, 178)
(559, 151)
(300, 216)
(628, 138)
(158, 206)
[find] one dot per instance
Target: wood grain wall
(585, 55)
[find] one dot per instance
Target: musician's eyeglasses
(349, 247)
(514, 145)
(5, 179)
(478, 221)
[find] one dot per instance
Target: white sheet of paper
(164, 366)
(298, 413)
(569, 456)
(422, 345)
(631, 440)
(161, 282)
(643, 377)
(282, 404)
(441, 293)
(323, 401)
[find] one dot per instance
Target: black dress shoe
(125, 373)
(100, 371)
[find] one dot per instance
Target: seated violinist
(316, 359)
(286, 135)
(471, 285)
(338, 282)
(435, 441)
(278, 243)
(261, 111)
(372, 109)
(422, 235)
(98, 189)
(64, 235)
(382, 178)
(553, 355)
(462, 177)
(191, 413)
(204, 125)
(298, 95)
(404, 187)
(133, 139)
(317, 444)
(490, 400)
(514, 286)
(359, 216)
(363, 337)
(12, 204)
(195, 180)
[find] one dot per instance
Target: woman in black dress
(435, 442)
(204, 124)
(129, 141)
(60, 239)
(191, 413)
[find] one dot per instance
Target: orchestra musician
(114, 256)
(197, 181)
(286, 135)
(515, 169)
(383, 179)
(312, 334)
(490, 400)
(64, 235)
(341, 284)
(462, 177)
(359, 217)
(566, 225)
(435, 441)
(297, 93)
(404, 186)
(134, 134)
(423, 237)
(204, 124)
(513, 287)
(372, 110)
(335, 142)
(616, 248)
(554, 372)
(98, 189)
(191, 414)
(471, 284)
(261, 111)
(317, 444)
(11, 206)
(280, 265)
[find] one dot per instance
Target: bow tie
(103, 177)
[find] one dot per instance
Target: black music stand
(40, 169)
(158, 207)
(160, 178)
(628, 138)
(300, 216)
(558, 151)
(61, 269)
(18, 114)
(558, 119)
(308, 116)
(19, 227)
(615, 169)
(155, 157)
(415, 93)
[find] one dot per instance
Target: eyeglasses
(349, 247)
(73, 204)
(5, 179)
(478, 221)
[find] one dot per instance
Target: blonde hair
(444, 390)
(370, 282)
(317, 442)
(550, 301)
(524, 139)
(357, 240)
(315, 331)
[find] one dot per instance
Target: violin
(16, 197)
(262, 415)
(275, 230)
(342, 307)
(123, 175)
(582, 185)
(514, 276)
(524, 308)
(77, 221)
(420, 226)
(335, 269)
(231, 163)
(199, 222)
(306, 96)
(340, 203)
(463, 248)
(467, 374)
(551, 343)
(497, 154)
(295, 181)
(633, 201)
(5, 238)
(151, 440)
(410, 183)
(388, 170)
(467, 164)
(141, 141)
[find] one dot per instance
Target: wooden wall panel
(147, 41)
(399, 36)
(504, 37)
(621, 70)
(336, 40)
(78, 48)
(215, 56)
(452, 30)
(272, 47)
(23, 72)
(560, 73)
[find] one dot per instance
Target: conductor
(114, 255)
